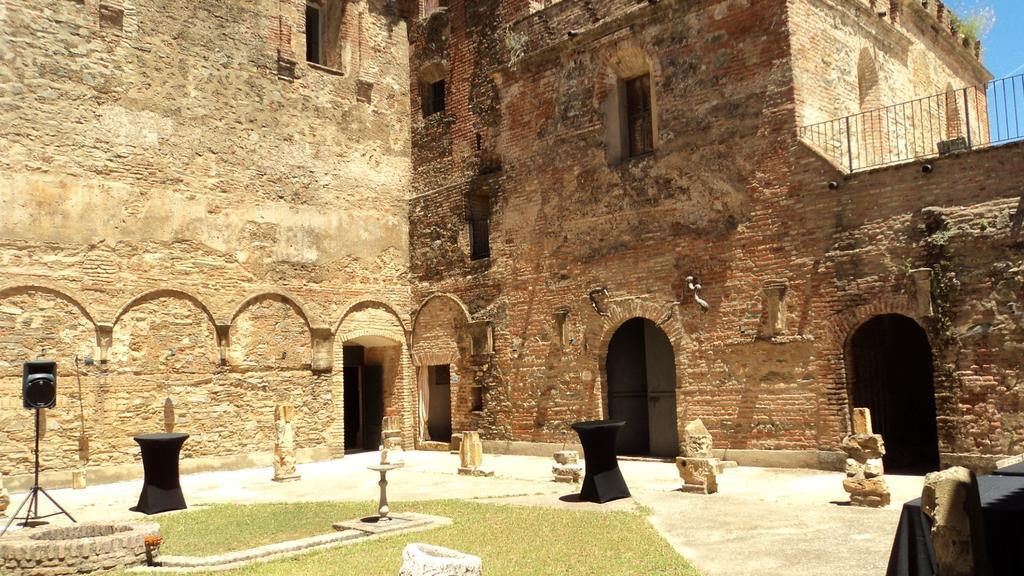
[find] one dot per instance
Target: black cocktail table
(1002, 510)
(603, 481)
(161, 489)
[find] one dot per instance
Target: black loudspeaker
(39, 384)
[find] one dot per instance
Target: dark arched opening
(892, 376)
(641, 372)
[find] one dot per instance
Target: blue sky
(1004, 44)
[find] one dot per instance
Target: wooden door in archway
(642, 389)
(892, 376)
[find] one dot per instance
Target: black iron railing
(954, 121)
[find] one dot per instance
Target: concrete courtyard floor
(762, 521)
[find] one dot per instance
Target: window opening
(313, 34)
(433, 98)
(638, 116)
(479, 226)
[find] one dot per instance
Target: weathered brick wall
(198, 212)
(962, 221)
(913, 52)
(729, 196)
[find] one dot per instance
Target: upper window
(314, 34)
(629, 103)
(433, 98)
(640, 132)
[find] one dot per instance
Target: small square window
(433, 98)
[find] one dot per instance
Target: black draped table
(161, 489)
(1002, 508)
(603, 480)
(1015, 470)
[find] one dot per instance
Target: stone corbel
(323, 349)
(775, 302)
(922, 278)
(223, 342)
(104, 339)
(481, 338)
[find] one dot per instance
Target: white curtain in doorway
(423, 381)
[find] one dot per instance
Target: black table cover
(161, 489)
(1015, 470)
(603, 480)
(1002, 508)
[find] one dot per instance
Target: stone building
(493, 215)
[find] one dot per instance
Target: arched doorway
(641, 372)
(891, 363)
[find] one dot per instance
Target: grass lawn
(512, 540)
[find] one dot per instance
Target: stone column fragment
(471, 455)
(697, 467)
(950, 498)
(284, 449)
(864, 480)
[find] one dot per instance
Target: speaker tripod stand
(31, 501)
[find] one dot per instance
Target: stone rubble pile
(864, 471)
(567, 467)
(698, 468)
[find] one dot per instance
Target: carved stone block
(700, 475)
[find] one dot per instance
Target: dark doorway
(439, 419)
(642, 389)
(892, 376)
(364, 400)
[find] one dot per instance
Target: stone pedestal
(430, 560)
(567, 467)
(78, 479)
(284, 448)
(471, 455)
(700, 475)
(864, 480)
(950, 498)
(697, 467)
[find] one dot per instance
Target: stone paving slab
(762, 520)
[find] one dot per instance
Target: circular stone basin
(90, 547)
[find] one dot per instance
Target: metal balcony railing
(954, 121)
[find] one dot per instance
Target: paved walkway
(762, 521)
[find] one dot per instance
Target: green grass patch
(511, 540)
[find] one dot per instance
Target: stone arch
(373, 376)
(164, 331)
(167, 292)
(601, 333)
(55, 289)
(278, 293)
(839, 328)
(378, 303)
(868, 81)
(43, 321)
(890, 369)
(440, 346)
(952, 117)
(433, 71)
(270, 330)
(431, 311)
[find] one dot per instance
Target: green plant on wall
(972, 18)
